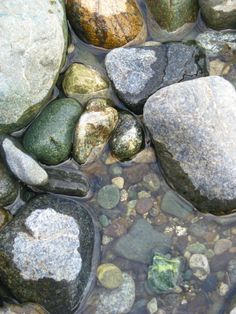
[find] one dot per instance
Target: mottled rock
(121, 299)
(222, 245)
(152, 306)
(200, 266)
(23, 166)
(83, 82)
(141, 240)
(51, 245)
(164, 274)
(49, 138)
(27, 308)
(106, 24)
(219, 14)
(93, 130)
(33, 44)
(109, 276)
(5, 217)
(128, 137)
(137, 73)
(193, 128)
(8, 186)
(174, 15)
(66, 180)
(108, 196)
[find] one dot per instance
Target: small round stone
(222, 246)
(109, 276)
(108, 196)
(119, 182)
(152, 306)
(200, 266)
(144, 205)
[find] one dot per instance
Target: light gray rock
(117, 301)
(33, 43)
(200, 266)
(193, 128)
(22, 165)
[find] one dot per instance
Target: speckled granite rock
(23, 166)
(193, 128)
(8, 186)
(49, 254)
(128, 137)
(33, 44)
(137, 73)
(107, 24)
(219, 14)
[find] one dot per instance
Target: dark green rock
(49, 138)
(108, 196)
(164, 274)
(171, 15)
(127, 139)
(38, 284)
(8, 186)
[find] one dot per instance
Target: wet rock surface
(198, 149)
(33, 43)
(49, 138)
(28, 308)
(8, 185)
(137, 73)
(106, 25)
(59, 235)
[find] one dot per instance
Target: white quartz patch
(49, 248)
(102, 8)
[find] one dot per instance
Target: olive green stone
(127, 139)
(81, 79)
(108, 196)
(109, 276)
(5, 217)
(8, 186)
(171, 15)
(164, 274)
(49, 138)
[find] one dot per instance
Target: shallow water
(195, 296)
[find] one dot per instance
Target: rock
(195, 141)
(174, 15)
(222, 245)
(117, 228)
(109, 276)
(144, 205)
(106, 25)
(67, 181)
(83, 82)
(27, 308)
(164, 274)
(33, 45)
(108, 196)
(217, 43)
(49, 138)
(23, 166)
(139, 243)
(146, 156)
(152, 182)
(219, 14)
(119, 182)
(127, 139)
(152, 306)
(5, 217)
(51, 245)
(93, 130)
(121, 299)
(9, 187)
(137, 73)
(233, 311)
(200, 266)
(196, 248)
(175, 206)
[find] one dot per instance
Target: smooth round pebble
(108, 196)
(109, 276)
(200, 266)
(222, 246)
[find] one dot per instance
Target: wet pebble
(200, 266)
(5, 217)
(222, 246)
(108, 196)
(109, 276)
(144, 205)
(119, 182)
(152, 306)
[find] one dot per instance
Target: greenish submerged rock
(8, 186)
(108, 196)
(164, 274)
(49, 138)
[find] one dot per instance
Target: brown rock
(5, 217)
(144, 205)
(117, 228)
(107, 24)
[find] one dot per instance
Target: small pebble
(108, 196)
(106, 239)
(200, 266)
(119, 182)
(152, 306)
(123, 195)
(109, 276)
(144, 194)
(144, 205)
(222, 246)
(152, 182)
(5, 217)
(223, 289)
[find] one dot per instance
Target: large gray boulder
(33, 44)
(49, 254)
(193, 128)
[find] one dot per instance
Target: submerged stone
(51, 245)
(109, 276)
(27, 308)
(137, 73)
(172, 15)
(93, 130)
(128, 137)
(5, 217)
(193, 128)
(106, 24)
(108, 196)
(219, 14)
(164, 274)
(32, 53)
(9, 187)
(49, 138)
